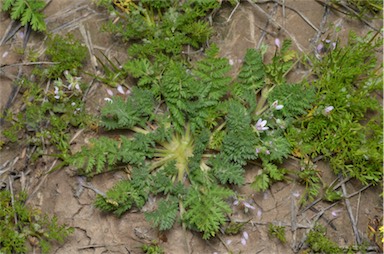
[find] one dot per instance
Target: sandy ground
(236, 29)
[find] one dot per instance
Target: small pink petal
(245, 235)
(247, 205)
(277, 42)
(5, 54)
(109, 92)
(335, 213)
(259, 213)
(319, 48)
(236, 202)
(243, 241)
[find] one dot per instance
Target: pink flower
(277, 42)
(260, 125)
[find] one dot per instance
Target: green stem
(260, 108)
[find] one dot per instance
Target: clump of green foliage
(337, 127)
(48, 115)
(318, 242)
(20, 224)
(152, 248)
(68, 55)
(27, 11)
(362, 9)
(161, 27)
(193, 138)
(50, 110)
(277, 231)
(156, 32)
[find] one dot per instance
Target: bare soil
(236, 29)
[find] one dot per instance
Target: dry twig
(350, 214)
(276, 24)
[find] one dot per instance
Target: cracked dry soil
(236, 29)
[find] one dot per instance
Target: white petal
(278, 107)
(5, 54)
(57, 97)
(263, 123)
(243, 241)
(296, 194)
(259, 213)
(328, 109)
(108, 99)
(120, 89)
(245, 235)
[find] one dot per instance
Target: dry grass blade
(350, 214)
(276, 24)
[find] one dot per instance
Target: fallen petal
(277, 42)
(247, 205)
(120, 89)
(109, 92)
(5, 54)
